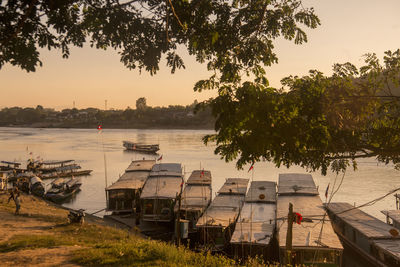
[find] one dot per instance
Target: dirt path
(36, 218)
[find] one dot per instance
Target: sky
(89, 77)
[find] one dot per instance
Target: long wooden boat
(374, 240)
(65, 171)
(62, 189)
(216, 225)
(9, 165)
(314, 243)
(195, 198)
(160, 191)
(144, 148)
(255, 226)
(53, 165)
(123, 195)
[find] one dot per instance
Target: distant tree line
(143, 117)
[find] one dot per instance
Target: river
(103, 151)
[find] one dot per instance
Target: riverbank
(41, 235)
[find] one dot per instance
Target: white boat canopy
(234, 186)
(130, 180)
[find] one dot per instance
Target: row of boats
(239, 221)
(60, 189)
(247, 219)
(49, 169)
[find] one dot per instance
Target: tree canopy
(316, 121)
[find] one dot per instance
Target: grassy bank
(44, 227)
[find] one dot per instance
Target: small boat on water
(62, 189)
(160, 191)
(255, 226)
(217, 223)
(314, 243)
(144, 148)
(37, 187)
(123, 195)
(195, 198)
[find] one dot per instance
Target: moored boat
(313, 241)
(375, 241)
(255, 226)
(37, 187)
(131, 146)
(160, 191)
(217, 222)
(195, 198)
(123, 195)
(63, 189)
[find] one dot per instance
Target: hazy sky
(349, 29)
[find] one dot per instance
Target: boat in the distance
(62, 189)
(144, 148)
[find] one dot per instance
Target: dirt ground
(36, 217)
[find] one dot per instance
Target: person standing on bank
(14, 195)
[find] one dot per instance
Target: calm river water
(370, 181)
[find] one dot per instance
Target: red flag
(182, 183)
(298, 217)
(251, 167)
(160, 158)
(202, 173)
(99, 127)
(326, 191)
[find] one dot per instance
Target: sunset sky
(349, 29)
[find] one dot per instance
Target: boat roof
(166, 169)
(391, 246)
(222, 211)
(130, 180)
(195, 197)
(255, 223)
(261, 191)
(307, 233)
(162, 187)
(234, 186)
(366, 224)
(392, 214)
(296, 183)
(11, 163)
(53, 162)
(141, 165)
(199, 177)
(257, 233)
